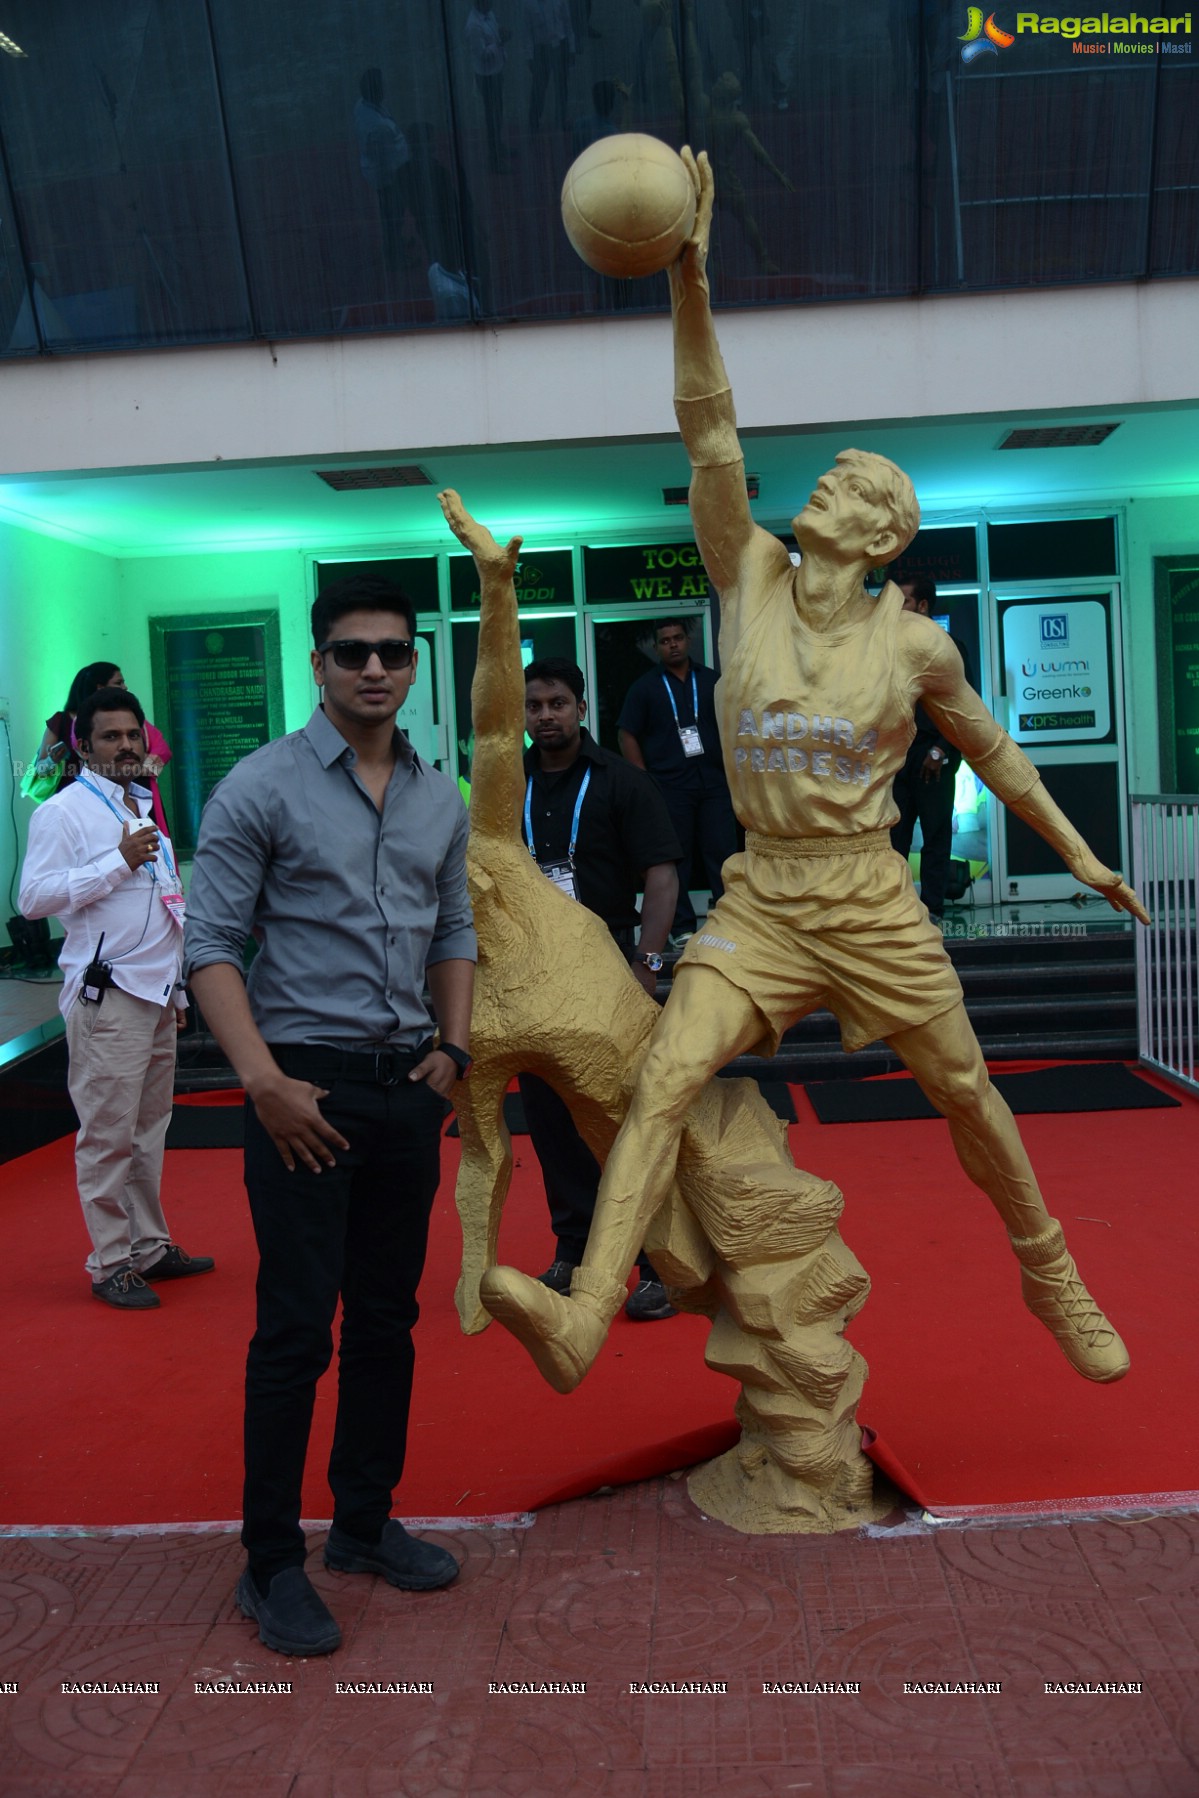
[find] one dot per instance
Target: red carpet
(973, 1403)
(116, 1419)
(112, 1418)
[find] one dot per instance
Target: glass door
(619, 650)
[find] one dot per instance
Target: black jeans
(357, 1231)
(932, 802)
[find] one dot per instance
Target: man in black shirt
(924, 786)
(599, 829)
(667, 725)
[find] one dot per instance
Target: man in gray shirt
(344, 855)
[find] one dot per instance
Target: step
(1056, 976)
(826, 1062)
(1024, 1000)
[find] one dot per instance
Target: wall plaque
(218, 694)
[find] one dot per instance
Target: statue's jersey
(814, 727)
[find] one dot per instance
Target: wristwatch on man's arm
(653, 961)
(461, 1058)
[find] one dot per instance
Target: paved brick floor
(631, 1587)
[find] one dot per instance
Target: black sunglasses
(349, 652)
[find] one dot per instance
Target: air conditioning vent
(361, 480)
(1059, 437)
(677, 496)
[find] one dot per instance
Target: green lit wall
(62, 606)
(159, 586)
(59, 609)
(1153, 527)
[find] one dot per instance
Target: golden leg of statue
(706, 1023)
(945, 1058)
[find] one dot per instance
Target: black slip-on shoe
(126, 1290)
(402, 1560)
(176, 1264)
(292, 1618)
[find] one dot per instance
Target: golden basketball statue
(815, 704)
(742, 1236)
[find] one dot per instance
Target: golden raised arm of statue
(820, 681)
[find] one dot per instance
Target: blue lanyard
(574, 823)
(694, 698)
(121, 818)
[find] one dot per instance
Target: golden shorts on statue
(841, 929)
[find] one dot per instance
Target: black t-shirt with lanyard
(670, 718)
(620, 828)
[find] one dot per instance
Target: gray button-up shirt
(349, 905)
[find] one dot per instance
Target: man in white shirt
(96, 861)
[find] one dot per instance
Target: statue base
(747, 1490)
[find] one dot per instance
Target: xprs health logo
(1095, 34)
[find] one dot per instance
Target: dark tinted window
(1062, 549)
(241, 169)
(1089, 794)
(417, 575)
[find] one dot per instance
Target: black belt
(322, 1063)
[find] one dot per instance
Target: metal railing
(1165, 861)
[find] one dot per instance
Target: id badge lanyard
(689, 735)
(561, 873)
(173, 901)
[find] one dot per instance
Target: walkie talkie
(97, 978)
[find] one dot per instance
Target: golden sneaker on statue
(1054, 1292)
(563, 1335)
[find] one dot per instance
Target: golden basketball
(628, 205)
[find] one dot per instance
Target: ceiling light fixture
(8, 47)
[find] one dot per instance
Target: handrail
(1165, 861)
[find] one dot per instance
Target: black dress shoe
(175, 1264)
(401, 1559)
(126, 1290)
(292, 1618)
(557, 1276)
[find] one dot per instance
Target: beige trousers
(121, 1082)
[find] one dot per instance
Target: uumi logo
(983, 37)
